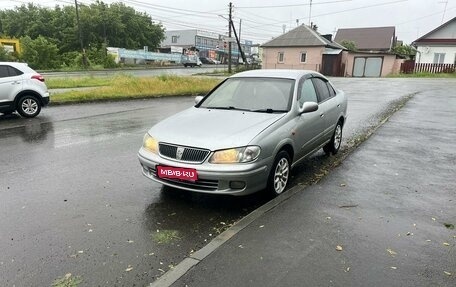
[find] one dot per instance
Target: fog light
(237, 184)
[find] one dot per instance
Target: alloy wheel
(281, 174)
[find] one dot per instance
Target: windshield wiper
(269, 111)
(227, 108)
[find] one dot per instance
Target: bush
(100, 57)
(39, 53)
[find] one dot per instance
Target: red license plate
(188, 174)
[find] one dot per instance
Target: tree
(4, 55)
(47, 31)
(405, 51)
(39, 53)
(350, 45)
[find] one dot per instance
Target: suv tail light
(38, 77)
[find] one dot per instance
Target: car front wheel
(28, 106)
(279, 175)
(334, 144)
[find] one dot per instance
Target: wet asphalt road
(73, 200)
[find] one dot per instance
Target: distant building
(11, 45)
(304, 48)
(438, 46)
(208, 44)
(373, 56)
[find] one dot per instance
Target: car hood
(212, 129)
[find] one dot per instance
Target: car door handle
(322, 115)
(15, 83)
(338, 105)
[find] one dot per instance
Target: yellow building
(11, 45)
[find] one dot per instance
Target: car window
(253, 94)
(8, 71)
(322, 89)
(4, 71)
(332, 93)
(13, 71)
(307, 93)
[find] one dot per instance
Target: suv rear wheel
(28, 106)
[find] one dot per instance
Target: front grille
(182, 153)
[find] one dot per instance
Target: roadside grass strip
(129, 87)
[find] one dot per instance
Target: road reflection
(30, 130)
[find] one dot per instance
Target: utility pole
(239, 44)
(229, 37)
(444, 10)
(310, 13)
(84, 60)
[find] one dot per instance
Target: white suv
(21, 89)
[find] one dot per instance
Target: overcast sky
(264, 19)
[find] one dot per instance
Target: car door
(328, 105)
(310, 126)
(10, 84)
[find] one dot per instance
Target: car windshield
(252, 94)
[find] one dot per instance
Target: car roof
(12, 63)
(19, 65)
(279, 73)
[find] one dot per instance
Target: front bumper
(212, 178)
(46, 99)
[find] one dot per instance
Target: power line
(423, 17)
(173, 10)
(290, 5)
(348, 10)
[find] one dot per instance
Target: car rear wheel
(28, 106)
(334, 144)
(279, 175)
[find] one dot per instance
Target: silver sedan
(247, 133)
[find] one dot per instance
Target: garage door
(367, 67)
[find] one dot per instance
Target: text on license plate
(189, 174)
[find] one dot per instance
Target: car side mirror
(309, 107)
(198, 99)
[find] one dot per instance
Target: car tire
(28, 106)
(334, 144)
(280, 174)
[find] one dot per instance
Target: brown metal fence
(409, 67)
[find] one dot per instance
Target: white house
(438, 46)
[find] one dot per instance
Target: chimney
(328, 37)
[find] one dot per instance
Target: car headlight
(150, 144)
(236, 155)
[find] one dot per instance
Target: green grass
(78, 82)
(423, 75)
(67, 281)
(129, 87)
(166, 236)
